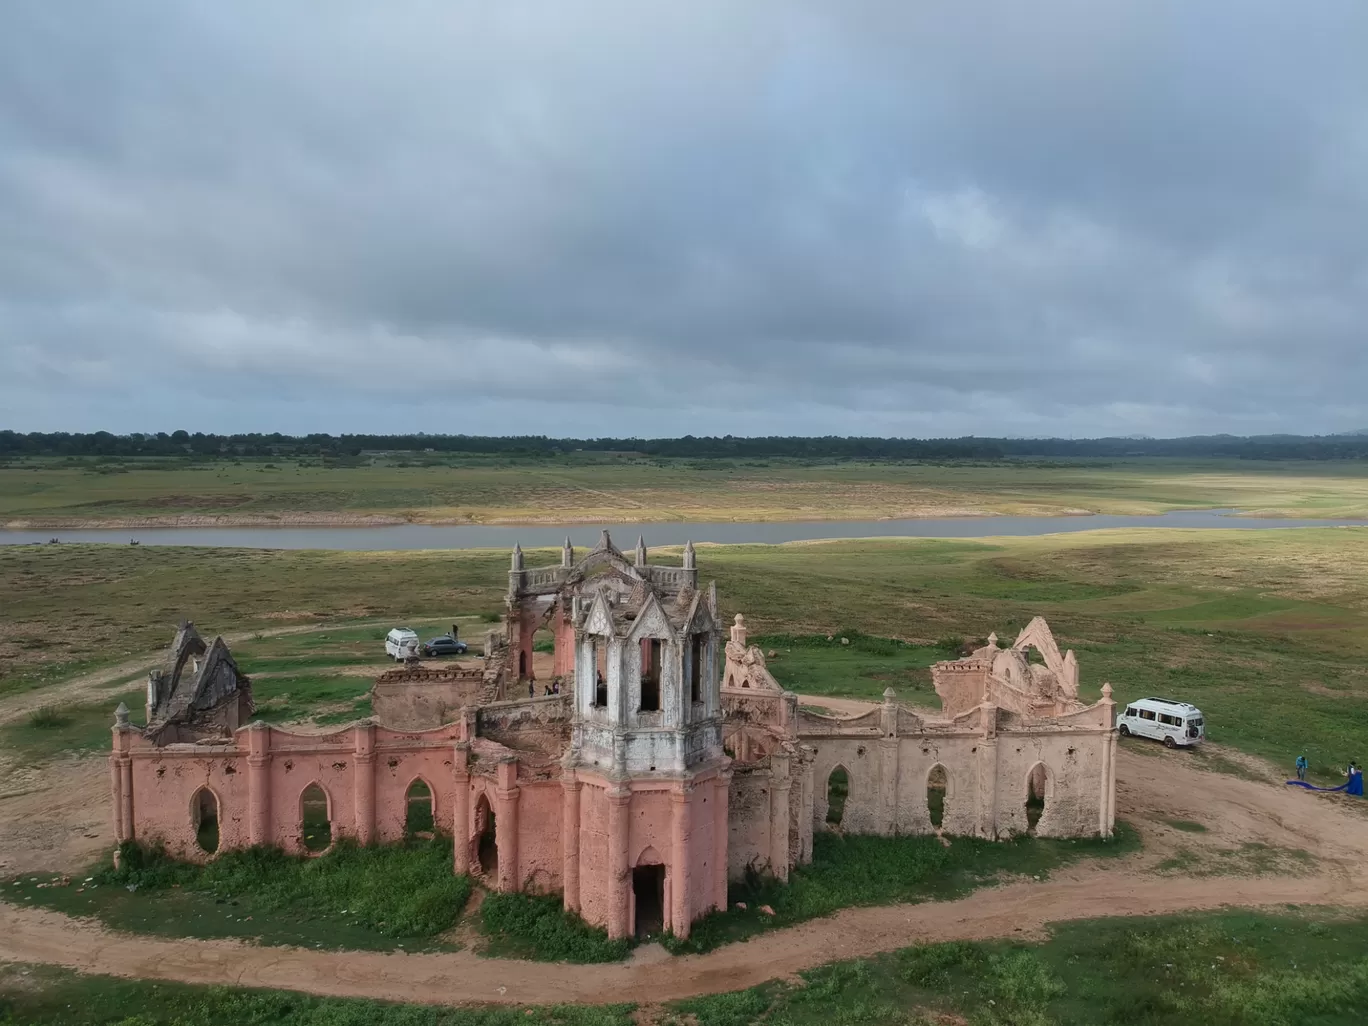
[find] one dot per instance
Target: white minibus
(1174, 723)
(401, 643)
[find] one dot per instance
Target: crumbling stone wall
(420, 698)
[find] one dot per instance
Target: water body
(422, 536)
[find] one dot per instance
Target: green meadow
(1298, 968)
(596, 487)
(1266, 631)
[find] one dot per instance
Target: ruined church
(660, 760)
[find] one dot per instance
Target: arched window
(1038, 789)
(204, 816)
(937, 782)
(315, 819)
(419, 809)
(486, 838)
(838, 790)
(650, 674)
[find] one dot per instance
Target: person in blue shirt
(1301, 767)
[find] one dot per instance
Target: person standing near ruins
(1301, 767)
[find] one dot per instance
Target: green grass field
(1266, 631)
(1221, 969)
(595, 487)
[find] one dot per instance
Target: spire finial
(517, 556)
(567, 553)
(641, 551)
(121, 716)
(604, 541)
(689, 563)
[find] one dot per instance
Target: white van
(1174, 723)
(401, 643)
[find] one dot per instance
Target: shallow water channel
(477, 536)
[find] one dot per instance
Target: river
(474, 536)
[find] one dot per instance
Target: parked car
(445, 645)
(401, 643)
(1174, 723)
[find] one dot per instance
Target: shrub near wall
(401, 890)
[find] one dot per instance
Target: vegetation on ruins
(377, 897)
(538, 927)
(849, 870)
(1224, 969)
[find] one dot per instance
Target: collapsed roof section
(198, 692)
(1008, 679)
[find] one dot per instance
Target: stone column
(363, 780)
(121, 771)
(1106, 813)
(460, 807)
(570, 841)
(781, 785)
(680, 908)
(888, 763)
(619, 855)
(259, 783)
(506, 824)
(721, 798)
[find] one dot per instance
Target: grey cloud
(613, 217)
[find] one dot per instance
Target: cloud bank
(612, 218)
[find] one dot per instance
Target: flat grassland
(72, 493)
(1266, 631)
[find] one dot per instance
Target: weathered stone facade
(658, 770)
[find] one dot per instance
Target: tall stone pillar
(259, 783)
(570, 841)
(888, 763)
(680, 827)
(988, 772)
(619, 867)
(781, 786)
(121, 778)
(506, 824)
(1106, 814)
(363, 780)
(460, 807)
(721, 799)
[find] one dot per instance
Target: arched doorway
(648, 893)
(937, 783)
(419, 809)
(838, 790)
(204, 816)
(486, 839)
(1038, 789)
(315, 819)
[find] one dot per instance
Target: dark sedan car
(445, 645)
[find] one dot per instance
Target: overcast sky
(640, 218)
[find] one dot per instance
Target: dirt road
(1153, 792)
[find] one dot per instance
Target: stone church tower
(645, 777)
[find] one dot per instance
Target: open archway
(419, 809)
(315, 819)
(1039, 790)
(204, 817)
(937, 784)
(648, 893)
(838, 790)
(486, 840)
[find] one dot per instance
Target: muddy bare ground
(1153, 791)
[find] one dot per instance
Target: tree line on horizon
(199, 445)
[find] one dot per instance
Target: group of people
(1354, 775)
(550, 689)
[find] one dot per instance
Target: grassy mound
(864, 870)
(373, 897)
(538, 927)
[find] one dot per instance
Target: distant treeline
(207, 446)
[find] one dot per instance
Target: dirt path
(1152, 790)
